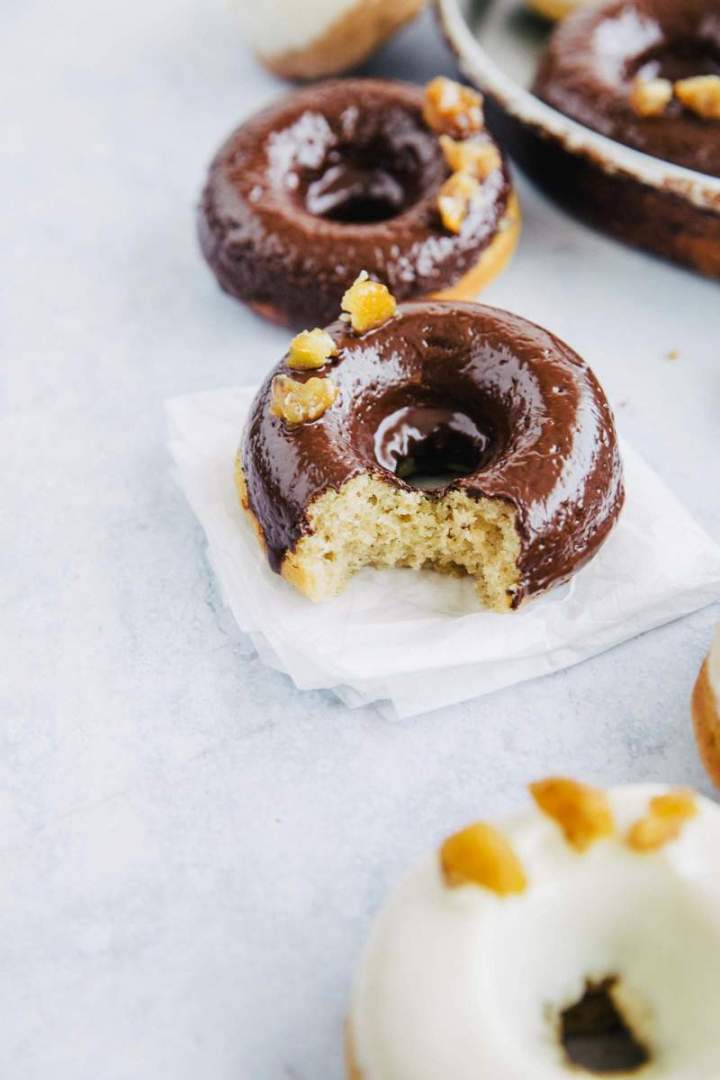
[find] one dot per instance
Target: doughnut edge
(493, 259)
(352, 1068)
(346, 42)
(492, 262)
(706, 721)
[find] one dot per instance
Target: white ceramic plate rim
(612, 157)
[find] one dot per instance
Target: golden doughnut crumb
(368, 303)
(455, 198)
(582, 812)
(479, 159)
(452, 108)
(370, 522)
(700, 94)
(664, 821)
(650, 97)
(311, 349)
(480, 855)
(296, 402)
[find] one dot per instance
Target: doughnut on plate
(642, 200)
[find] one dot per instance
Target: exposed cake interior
(370, 522)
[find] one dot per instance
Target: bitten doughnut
(643, 72)
(512, 415)
(353, 175)
(315, 38)
(581, 938)
(706, 710)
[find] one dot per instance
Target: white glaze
(461, 984)
(272, 29)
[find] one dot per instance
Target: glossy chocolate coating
(476, 380)
(594, 55)
(332, 180)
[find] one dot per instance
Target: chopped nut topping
(478, 159)
(480, 855)
(296, 402)
(452, 108)
(582, 812)
(311, 349)
(650, 97)
(455, 198)
(664, 821)
(368, 303)
(701, 95)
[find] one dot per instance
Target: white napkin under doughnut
(417, 640)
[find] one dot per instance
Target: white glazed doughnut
(315, 38)
(706, 710)
(618, 892)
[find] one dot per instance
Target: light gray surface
(191, 849)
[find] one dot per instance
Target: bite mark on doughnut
(371, 523)
(582, 812)
(481, 855)
(666, 818)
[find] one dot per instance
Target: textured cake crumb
(369, 522)
(481, 855)
(582, 812)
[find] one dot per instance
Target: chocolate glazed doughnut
(511, 411)
(347, 176)
(637, 71)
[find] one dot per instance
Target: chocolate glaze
(520, 401)
(594, 55)
(332, 180)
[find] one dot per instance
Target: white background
(190, 849)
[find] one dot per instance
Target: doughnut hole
(360, 168)
(596, 1036)
(430, 523)
(429, 446)
(604, 984)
